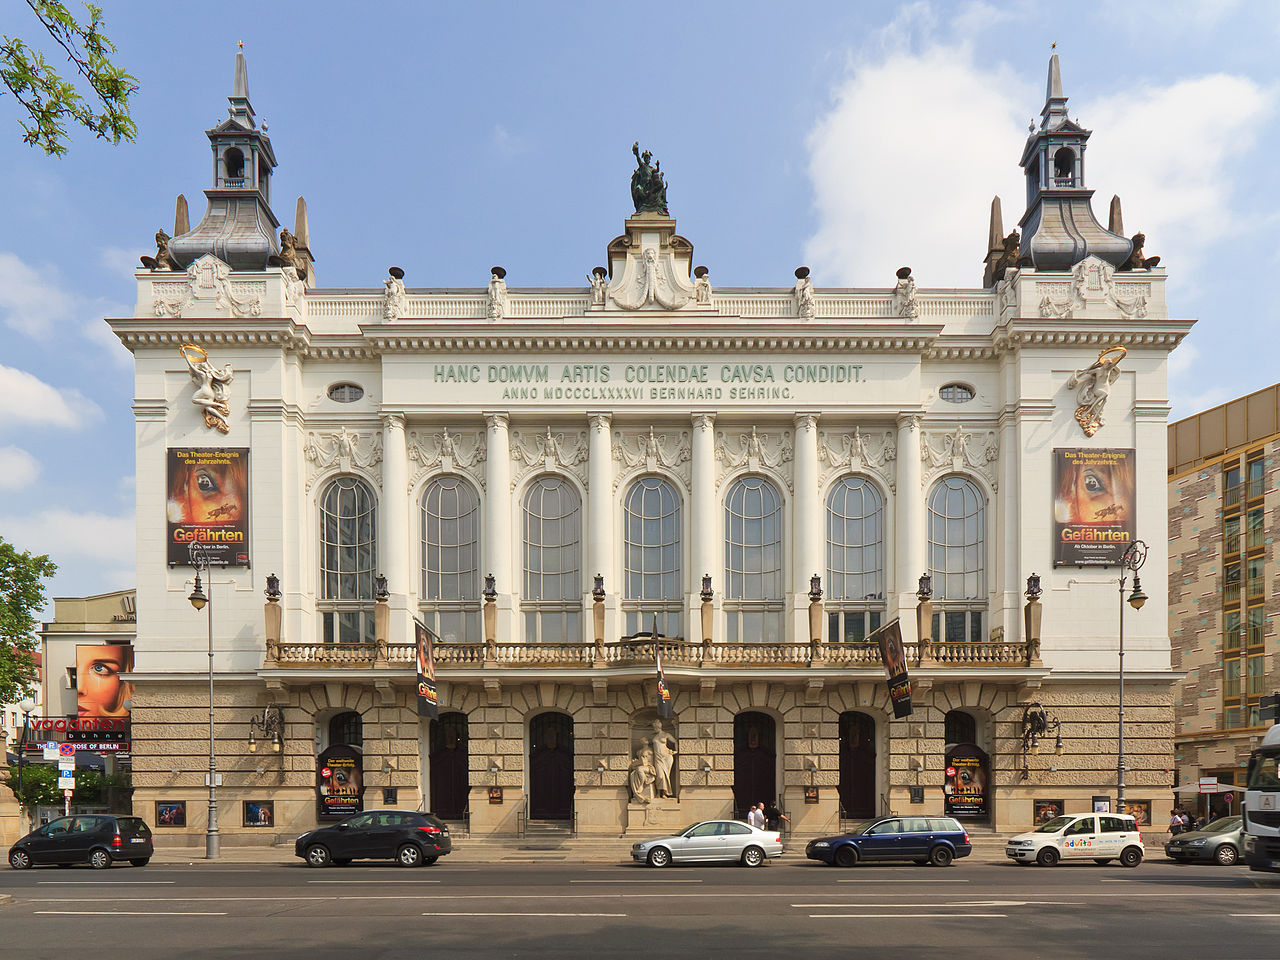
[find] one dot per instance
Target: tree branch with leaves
(50, 100)
(22, 596)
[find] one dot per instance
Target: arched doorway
(755, 761)
(551, 767)
(857, 765)
(449, 784)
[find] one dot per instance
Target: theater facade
(566, 484)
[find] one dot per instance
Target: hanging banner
(894, 657)
(664, 694)
(208, 504)
(964, 790)
(428, 706)
(1093, 506)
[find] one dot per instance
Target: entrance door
(755, 761)
(551, 767)
(857, 765)
(449, 783)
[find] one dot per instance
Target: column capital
(599, 419)
(496, 420)
(703, 421)
(911, 421)
(806, 420)
(393, 421)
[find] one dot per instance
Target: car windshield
(1221, 825)
(1263, 772)
(1054, 825)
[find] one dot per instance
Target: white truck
(1262, 805)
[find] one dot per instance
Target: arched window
(753, 561)
(651, 557)
(348, 560)
(959, 727)
(233, 163)
(957, 555)
(1064, 168)
(552, 601)
(347, 728)
(855, 559)
(450, 548)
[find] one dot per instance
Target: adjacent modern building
(565, 484)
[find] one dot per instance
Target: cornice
(163, 332)
(1052, 331)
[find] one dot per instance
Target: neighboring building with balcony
(1224, 507)
(704, 452)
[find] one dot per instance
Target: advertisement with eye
(964, 791)
(100, 693)
(1093, 506)
(339, 782)
(208, 504)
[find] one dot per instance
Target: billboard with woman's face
(208, 504)
(1093, 506)
(99, 690)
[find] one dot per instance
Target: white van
(1100, 837)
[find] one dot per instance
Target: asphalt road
(785, 909)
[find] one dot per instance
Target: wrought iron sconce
(706, 594)
(493, 769)
(380, 591)
(1033, 587)
(925, 589)
(490, 588)
(1036, 723)
(270, 726)
(706, 771)
(815, 589)
(273, 588)
(597, 590)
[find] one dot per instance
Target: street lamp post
(1132, 559)
(212, 841)
(26, 705)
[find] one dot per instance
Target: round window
(346, 392)
(956, 393)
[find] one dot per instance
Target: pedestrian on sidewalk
(773, 816)
(1175, 823)
(755, 816)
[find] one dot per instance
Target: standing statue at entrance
(642, 776)
(664, 757)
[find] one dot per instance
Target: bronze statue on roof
(648, 187)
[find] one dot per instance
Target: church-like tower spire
(1059, 229)
(238, 226)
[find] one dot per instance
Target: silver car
(1219, 842)
(710, 841)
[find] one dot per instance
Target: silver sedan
(711, 841)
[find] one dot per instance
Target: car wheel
(428, 861)
(1130, 857)
(1102, 861)
(140, 861)
(1226, 855)
(752, 857)
(409, 855)
(846, 857)
(318, 856)
(941, 856)
(20, 860)
(1047, 857)
(99, 859)
(659, 857)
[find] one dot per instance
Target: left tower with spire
(238, 226)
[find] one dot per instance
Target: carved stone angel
(1093, 387)
(211, 387)
(163, 260)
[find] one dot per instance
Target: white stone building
(651, 429)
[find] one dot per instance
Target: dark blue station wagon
(935, 840)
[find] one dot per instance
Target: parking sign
(66, 749)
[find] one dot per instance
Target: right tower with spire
(1059, 229)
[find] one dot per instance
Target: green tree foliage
(49, 99)
(22, 595)
(40, 785)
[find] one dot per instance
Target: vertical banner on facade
(100, 693)
(1093, 506)
(894, 656)
(664, 694)
(208, 504)
(965, 789)
(428, 705)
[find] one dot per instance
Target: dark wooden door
(755, 761)
(551, 767)
(450, 789)
(857, 765)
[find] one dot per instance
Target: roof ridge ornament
(648, 185)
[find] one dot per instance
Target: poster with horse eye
(1093, 506)
(207, 504)
(964, 790)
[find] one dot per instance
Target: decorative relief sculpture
(207, 288)
(904, 295)
(1093, 386)
(648, 186)
(497, 293)
(802, 295)
(701, 287)
(599, 280)
(342, 449)
(211, 387)
(642, 776)
(163, 260)
(754, 449)
(958, 451)
(447, 452)
(859, 453)
(651, 451)
(395, 302)
(293, 287)
(1092, 288)
(549, 451)
(651, 278)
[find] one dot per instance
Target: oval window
(956, 393)
(346, 392)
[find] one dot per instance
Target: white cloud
(18, 468)
(124, 260)
(29, 400)
(32, 298)
(67, 536)
(1189, 391)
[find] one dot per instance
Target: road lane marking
(129, 913)
(1254, 914)
(357, 883)
(1180, 881)
(107, 883)
(524, 914)
(961, 903)
(903, 916)
(633, 880)
(877, 882)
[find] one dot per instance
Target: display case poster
(259, 813)
(1093, 506)
(1140, 810)
(428, 701)
(1046, 810)
(339, 782)
(965, 788)
(894, 657)
(171, 813)
(208, 504)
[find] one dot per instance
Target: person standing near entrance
(773, 816)
(755, 817)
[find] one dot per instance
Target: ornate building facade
(563, 484)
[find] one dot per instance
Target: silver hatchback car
(1219, 842)
(711, 841)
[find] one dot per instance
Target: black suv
(406, 836)
(97, 839)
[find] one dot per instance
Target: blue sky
(446, 138)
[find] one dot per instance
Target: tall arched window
(855, 559)
(347, 728)
(552, 602)
(957, 559)
(348, 560)
(451, 559)
(651, 557)
(753, 598)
